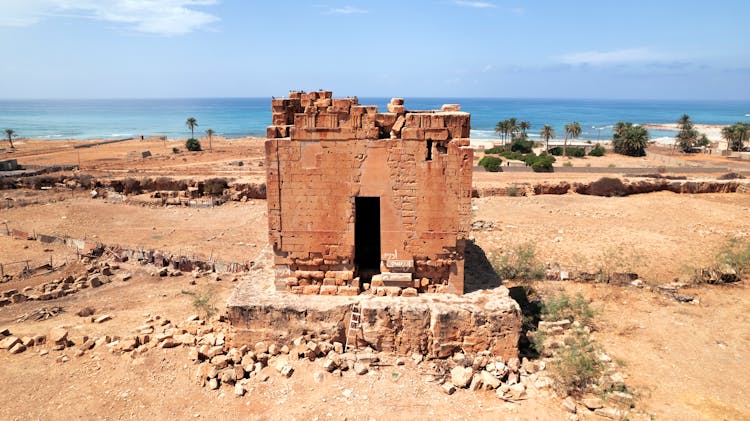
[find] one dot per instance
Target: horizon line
(379, 97)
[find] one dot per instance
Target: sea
(238, 117)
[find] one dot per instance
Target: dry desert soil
(682, 361)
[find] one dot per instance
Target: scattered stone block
(592, 403)
(461, 376)
(103, 318)
(9, 342)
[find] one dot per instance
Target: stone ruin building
(360, 199)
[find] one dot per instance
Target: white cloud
(631, 55)
(488, 68)
(164, 17)
(475, 4)
(346, 10)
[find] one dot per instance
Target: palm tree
(687, 137)
(547, 133)
(524, 126)
(573, 130)
(10, 133)
(512, 127)
(192, 123)
(736, 135)
(630, 140)
(210, 134)
(502, 129)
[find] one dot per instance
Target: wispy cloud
(624, 56)
(163, 17)
(346, 10)
(474, 4)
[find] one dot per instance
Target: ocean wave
(120, 134)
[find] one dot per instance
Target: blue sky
(656, 49)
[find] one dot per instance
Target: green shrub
(567, 164)
(193, 145)
(519, 263)
(598, 150)
(490, 163)
(578, 366)
(496, 150)
(562, 306)
(572, 151)
(175, 150)
(203, 302)
(542, 163)
(521, 145)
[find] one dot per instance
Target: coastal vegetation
(547, 133)
(736, 135)
(10, 133)
(573, 130)
(598, 150)
(687, 138)
(629, 139)
(490, 163)
(193, 145)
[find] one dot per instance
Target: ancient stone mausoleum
(364, 200)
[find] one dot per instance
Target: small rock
(461, 376)
(592, 403)
(360, 368)
(17, 348)
(9, 342)
(517, 391)
(239, 390)
(213, 384)
(448, 388)
(261, 348)
(103, 318)
(611, 413)
(58, 334)
(287, 371)
(569, 405)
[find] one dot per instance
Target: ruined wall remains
(324, 153)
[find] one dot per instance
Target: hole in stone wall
(429, 151)
(441, 147)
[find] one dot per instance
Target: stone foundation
(435, 325)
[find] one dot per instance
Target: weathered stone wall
(323, 152)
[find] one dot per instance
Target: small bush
(521, 145)
(519, 263)
(542, 163)
(490, 163)
(562, 306)
(215, 186)
(578, 367)
(203, 302)
(567, 164)
(598, 150)
(572, 151)
(193, 145)
(177, 150)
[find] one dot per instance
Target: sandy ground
(684, 361)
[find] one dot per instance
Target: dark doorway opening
(367, 236)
